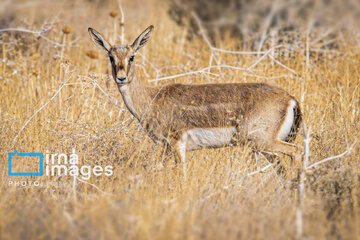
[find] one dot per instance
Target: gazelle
(189, 117)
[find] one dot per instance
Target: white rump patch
(288, 121)
(198, 138)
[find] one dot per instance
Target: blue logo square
(15, 153)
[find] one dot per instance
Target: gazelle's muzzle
(121, 80)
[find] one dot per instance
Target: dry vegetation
(220, 198)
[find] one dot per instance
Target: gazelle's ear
(98, 39)
(142, 39)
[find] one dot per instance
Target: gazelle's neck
(135, 95)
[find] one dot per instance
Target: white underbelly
(198, 138)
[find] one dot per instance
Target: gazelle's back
(218, 105)
(206, 94)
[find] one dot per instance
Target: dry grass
(143, 200)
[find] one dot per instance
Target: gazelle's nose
(120, 80)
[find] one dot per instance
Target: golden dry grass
(143, 200)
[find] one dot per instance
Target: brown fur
(167, 112)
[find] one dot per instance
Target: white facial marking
(198, 138)
(288, 122)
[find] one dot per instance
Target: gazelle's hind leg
(286, 148)
(274, 159)
(283, 147)
(278, 134)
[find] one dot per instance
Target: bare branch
(37, 33)
(282, 65)
(260, 59)
(94, 82)
(237, 52)
(267, 23)
(301, 187)
(93, 185)
(259, 171)
(202, 30)
(262, 170)
(196, 72)
(122, 23)
(42, 107)
(347, 151)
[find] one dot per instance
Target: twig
(237, 52)
(102, 90)
(198, 71)
(42, 107)
(267, 23)
(206, 39)
(274, 9)
(39, 33)
(282, 65)
(259, 171)
(262, 170)
(299, 210)
(307, 44)
(347, 151)
(122, 23)
(204, 35)
(268, 78)
(57, 93)
(148, 62)
(202, 30)
(93, 185)
(219, 66)
(214, 49)
(260, 59)
(74, 181)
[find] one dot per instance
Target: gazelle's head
(121, 57)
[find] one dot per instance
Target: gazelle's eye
(131, 59)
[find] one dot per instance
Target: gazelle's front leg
(180, 151)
